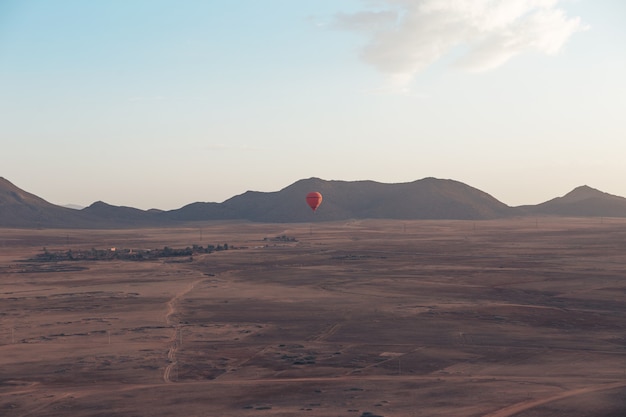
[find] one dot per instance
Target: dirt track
(527, 405)
(176, 335)
(494, 319)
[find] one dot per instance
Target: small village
(125, 254)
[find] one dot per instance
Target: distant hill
(73, 206)
(24, 210)
(21, 209)
(582, 201)
(428, 198)
(103, 214)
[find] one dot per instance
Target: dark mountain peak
(584, 188)
(10, 194)
(102, 207)
(98, 205)
(105, 213)
(19, 208)
(582, 201)
(307, 183)
(584, 192)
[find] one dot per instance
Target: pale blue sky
(150, 103)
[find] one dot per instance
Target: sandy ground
(522, 317)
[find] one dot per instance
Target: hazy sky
(152, 103)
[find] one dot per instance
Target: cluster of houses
(125, 254)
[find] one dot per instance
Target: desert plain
(521, 317)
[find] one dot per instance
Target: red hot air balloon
(314, 199)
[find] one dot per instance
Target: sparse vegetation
(125, 254)
(283, 238)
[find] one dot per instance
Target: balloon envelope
(314, 199)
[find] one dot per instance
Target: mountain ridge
(427, 198)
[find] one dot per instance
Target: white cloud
(406, 36)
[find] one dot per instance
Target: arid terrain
(521, 317)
